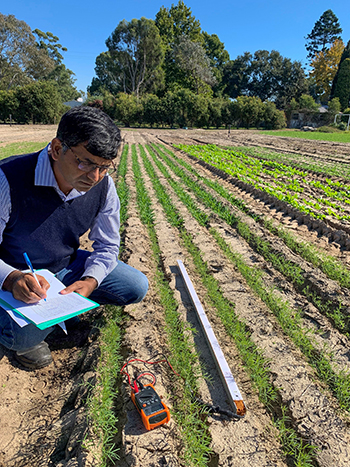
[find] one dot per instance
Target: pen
(29, 264)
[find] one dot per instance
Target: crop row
(184, 181)
(333, 268)
(325, 167)
(291, 270)
(284, 182)
(101, 402)
(289, 319)
(252, 359)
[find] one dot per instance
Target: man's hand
(83, 287)
(24, 287)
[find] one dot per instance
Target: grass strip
(289, 319)
(185, 361)
(292, 271)
(23, 147)
(343, 137)
(333, 268)
(252, 358)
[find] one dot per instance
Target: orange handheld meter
(152, 409)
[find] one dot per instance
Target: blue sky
(243, 26)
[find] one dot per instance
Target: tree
(190, 109)
(38, 102)
(342, 87)
(235, 75)
(345, 55)
(307, 103)
(63, 78)
(324, 67)
(326, 30)
(109, 75)
(177, 22)
(273, 119)
(266, 75)
(334, 106)
(49, 43)
(173, 25)
(170, 108)
(127, 108)
(247, 111)
(218, 57)
(290, 108)
(21, 61)
(219, 112)
(152, 112)
(8, 105)
(136, 54)
(192, 61)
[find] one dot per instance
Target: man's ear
(56, 147)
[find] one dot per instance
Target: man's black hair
(89, 125)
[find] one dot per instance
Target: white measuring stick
(230, 385)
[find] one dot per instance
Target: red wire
(134, 386)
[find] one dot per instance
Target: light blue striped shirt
(104, 232)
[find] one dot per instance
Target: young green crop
(184, 359)
(334, 168)
(291, 271)
(253, 361)
(333, 268)
(252, 171)
(289, 319)
(101, 401)
(102, 398)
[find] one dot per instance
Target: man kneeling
(48, 200)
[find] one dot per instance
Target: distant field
(20, 148)
(336, 137)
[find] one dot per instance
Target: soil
(43, 412)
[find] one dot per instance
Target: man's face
(76, 168)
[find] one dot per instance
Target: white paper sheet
(55, 306)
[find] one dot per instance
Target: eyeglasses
(87, 166)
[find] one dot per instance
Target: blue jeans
(123, 286)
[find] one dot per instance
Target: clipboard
(54, 310)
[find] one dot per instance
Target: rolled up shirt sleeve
(104, 234)
(5, 211)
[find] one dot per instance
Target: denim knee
(140, 288)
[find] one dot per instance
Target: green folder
(36, 313)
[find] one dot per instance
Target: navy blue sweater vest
(41, 224)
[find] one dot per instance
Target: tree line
(171, 59)
(168, 71)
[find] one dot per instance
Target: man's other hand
(83, 287)
(24, 287)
